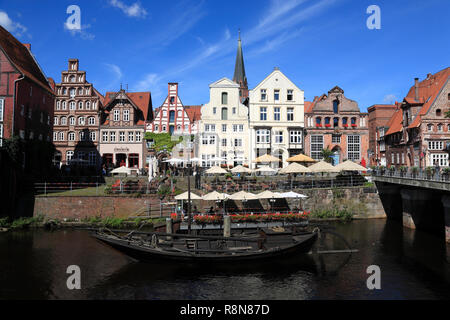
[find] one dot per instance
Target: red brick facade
(379, 116)
(332, 121)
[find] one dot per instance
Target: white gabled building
(224, 126)
(276, 118)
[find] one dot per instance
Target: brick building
(76, 119)
(26, 102)
(419, 130)
(122, 128)
(379, 116)
(335, 122)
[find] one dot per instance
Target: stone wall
(82, 207)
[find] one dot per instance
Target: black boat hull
(156, 254)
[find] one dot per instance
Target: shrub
(4, 222)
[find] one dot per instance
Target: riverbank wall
(363, 202)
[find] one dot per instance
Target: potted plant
(403, 170)
(446, 173)
(391, 170)
(429, 171)
(414, 171)
(382, 169)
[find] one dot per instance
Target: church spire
(239, 71)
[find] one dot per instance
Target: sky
(317, 44)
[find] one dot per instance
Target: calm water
(413, 266)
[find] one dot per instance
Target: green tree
(327, 155)
(162, 141)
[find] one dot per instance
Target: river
(413, 265)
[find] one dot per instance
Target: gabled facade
(379, 116)
(276, 118)
(224, 126)
(76, 119)
(419, 131)
(174, 118)
(335, 122)
(26, 101)
(122, 128)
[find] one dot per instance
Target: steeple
(239, 71)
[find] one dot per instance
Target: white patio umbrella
(266, 169)
(242, 195)
(294, 168)
(292, 194)
(122, 170)
(241, 169)
(216, 170)
(350, 166)
(322, 166)
(269, 195)
(184, 196)
(215, 196)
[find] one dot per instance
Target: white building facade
(276, 119)
(224, 126)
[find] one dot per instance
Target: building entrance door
(121, 159)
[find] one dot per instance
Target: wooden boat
(153, 246)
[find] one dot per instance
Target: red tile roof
(308, 106)
(429, 89)
(22, 58)
(395, 123)
(194, 112)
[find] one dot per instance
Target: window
(82, 136)
(318, 121)
(88, 105)
(336, 106)
(80, 105)
(204, 139)
(276, 114)
(263, 94)
(435, 145)
(430, 127)
(72, 121)
(335, 122)
(64, 105)
(224, 113)
(116, 115)
(72, 78)
(290, 114)
(81, 121)
(353, 121)
(278, 136)
(42, 117)
(2, 104)
(336, 138)
(224, 128)
(234, 110)
(126, 115)
(31, 135)
(316, 147)
(276, 95)
(438, 112)
(71, 136)
(210, 127)
(58, 105)
(439, 158)
(440, 127)
(72, 93)
(92, 158)
(138, 136)
(172, 116)
(224, 98)
(121, 136)
(55, 121)
(212, 139)
(69, 156)
(91, 121)
(290, 95)
(55, 136)
(180, 114)
(295, 137)
(353, 148)
(112, 136)
(104, 136)
(214, 110)
(30, 113)
(238, 142)
(224, 142)
(327, 121)
(130, 136)
(61, 136)
(172, 100)
(72, 105)
(63, 121)
(80, 91)
(263, 113)
(263, 136)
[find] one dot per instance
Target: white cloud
(135, 10)
(81, 32)
(148, 82)
(390, 98)
(11, 26)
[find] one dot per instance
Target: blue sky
(317, 43)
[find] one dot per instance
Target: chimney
(416, 89)
(27, 45)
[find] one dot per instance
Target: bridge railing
(428, 174)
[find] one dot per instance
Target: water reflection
(413, 265)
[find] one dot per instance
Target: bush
(112, 222)
(4, 222)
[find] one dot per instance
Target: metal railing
(428, 174)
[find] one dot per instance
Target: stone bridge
(421, 200)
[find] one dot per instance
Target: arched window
(156, 128)
(72, 79)
(63, 121)
(327, 121)
(80, 105)
(336, 122)
(164, 129)
(58, 105)
(73, 92)
(72, 121)
(438, 112)
(440, 127)
(224, 98)
(224, 113)
(81, 121)
(336, 106)
(71, 136)
(64, 105)
(318, 121)
(345, 121)
(164, 113)
(180, 113)
(172, 116)
(61, 136)
(72, 105)
(91, 121)
(430, 127)
(69, 156)
(88, 105)
(353, 120)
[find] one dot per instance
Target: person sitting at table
(211, 210)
